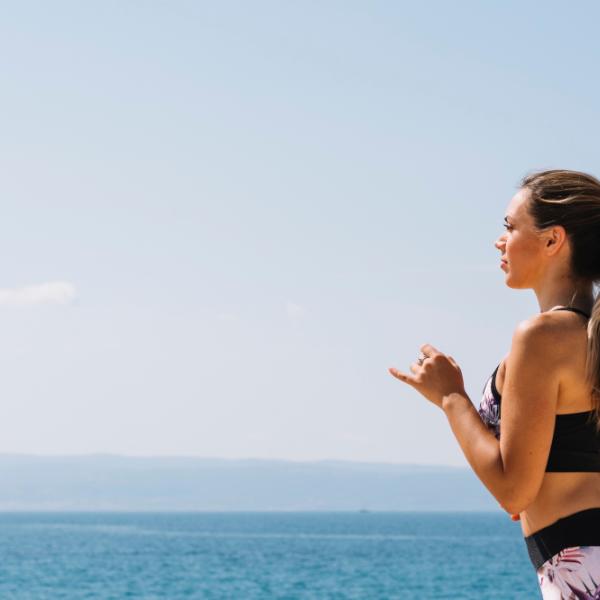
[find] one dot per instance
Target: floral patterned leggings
(566, 556)
(571, 574)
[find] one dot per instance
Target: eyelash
(507, 226)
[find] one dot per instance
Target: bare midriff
(560, 495)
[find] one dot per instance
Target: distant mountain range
(107, 482)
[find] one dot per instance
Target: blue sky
(221, 222)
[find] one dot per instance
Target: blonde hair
(572, 199)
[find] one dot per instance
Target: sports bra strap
(573, 309)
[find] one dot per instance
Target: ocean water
(249, 556)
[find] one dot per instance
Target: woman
(535, 441)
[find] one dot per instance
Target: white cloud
(51, 292)
(294, 311)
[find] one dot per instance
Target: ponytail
(592, 366)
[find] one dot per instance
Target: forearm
(479, 445)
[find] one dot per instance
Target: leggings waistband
(579, 529)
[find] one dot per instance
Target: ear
(556, 237)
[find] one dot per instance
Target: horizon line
(222, 459)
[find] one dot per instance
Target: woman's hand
(437, 376)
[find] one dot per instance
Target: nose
(500, 243)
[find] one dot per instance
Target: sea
(247, 556)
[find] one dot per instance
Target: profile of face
(525, 250)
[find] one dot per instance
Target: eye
(507, 226)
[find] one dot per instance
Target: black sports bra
(575, 444)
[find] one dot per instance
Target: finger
(402, 376)
(414, 367)
(429, 350)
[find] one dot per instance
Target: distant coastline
(125, 483)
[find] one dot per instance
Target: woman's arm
(479, 445)
(512, 468)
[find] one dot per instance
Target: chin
(515, 284)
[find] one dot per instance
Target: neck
(565, 292)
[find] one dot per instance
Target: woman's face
(521, 245)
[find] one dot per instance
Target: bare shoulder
(539, 328)
(555, 340)
(548, 336)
